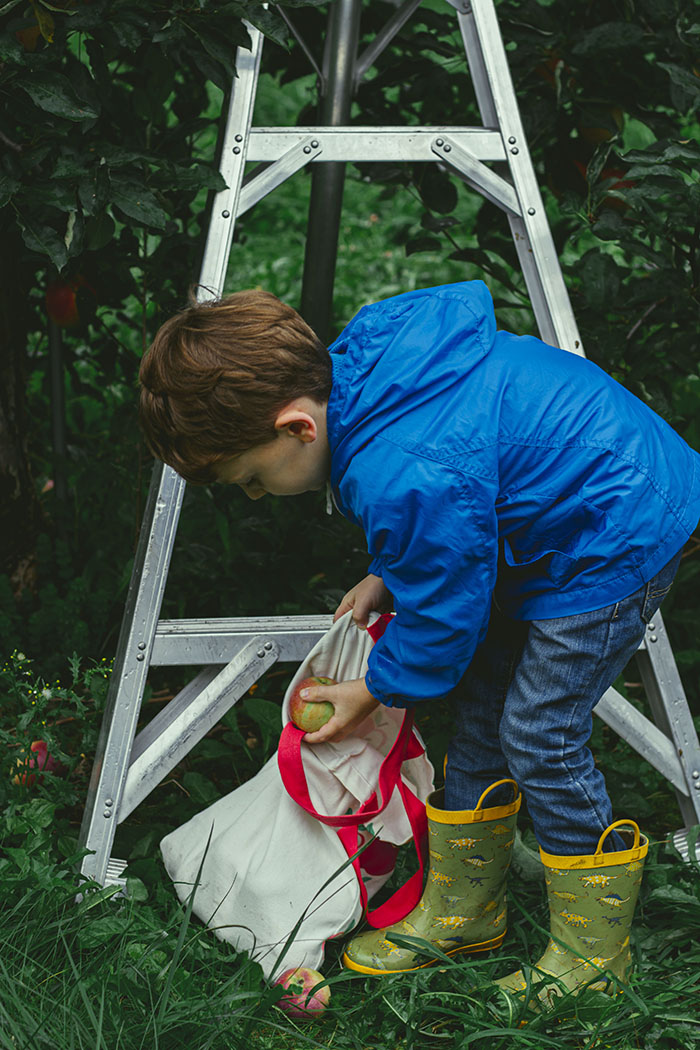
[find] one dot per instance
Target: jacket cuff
(387, 699)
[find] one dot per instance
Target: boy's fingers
(345, 606)
(333, 730)
(315, 694)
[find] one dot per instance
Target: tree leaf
(138, 202)
(46, 22)
(437, 222)
(200, 788)
(437, 190)
(99, 231)
(10, 47)
(610, 36)
(44, 240)
(682, 78)
(271, 25)
(8, 187)
(601, 279)
(199, 176)
(423, 244)
(54, 93)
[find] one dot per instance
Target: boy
(525, 516)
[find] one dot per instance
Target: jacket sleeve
(432, 533)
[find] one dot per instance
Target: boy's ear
(297, 423)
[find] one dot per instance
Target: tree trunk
(19, 504)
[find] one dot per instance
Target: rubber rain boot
(591, 904)
(463, 907)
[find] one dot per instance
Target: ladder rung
(374, 144)
(216, 641)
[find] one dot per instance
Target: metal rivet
(142, 645)
(651, 627)
(448, 148)
(307, 149)
(696, 774)
(225, 214)
(107, 813)
(239, 138)
(314, 144)
(140, 656)
(531, 211)
(236, 149)
(261, 653)
(652, 638)
(697, 785)
(439, 142)
(268, 646)
(512, 140)
(109, 802)
(515, 150)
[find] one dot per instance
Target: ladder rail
(530, 231)
(158, 529)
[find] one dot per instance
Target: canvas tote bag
(277, 879)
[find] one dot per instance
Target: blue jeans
(524, 710)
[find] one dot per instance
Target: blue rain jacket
(484, 464)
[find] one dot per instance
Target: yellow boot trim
(484, 946)
(599, 859)
(477, 815)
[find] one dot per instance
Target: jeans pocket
(652, 601)
(658, 587)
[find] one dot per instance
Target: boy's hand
(352, 701)
(367, 595)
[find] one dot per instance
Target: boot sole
(483, 946)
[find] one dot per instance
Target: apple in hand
(306, 714)
(38, 759)
(307, 1002)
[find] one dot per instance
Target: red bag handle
(405, 746)
(293, 774)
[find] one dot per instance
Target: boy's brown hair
(217, 375)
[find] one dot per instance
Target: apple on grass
(302, 1000)
(305, 714)
(40, 759)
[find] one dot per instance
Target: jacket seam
(674, 509)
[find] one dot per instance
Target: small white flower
(46, 693)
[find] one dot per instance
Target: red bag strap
(406, 897)
(405, 746)
(291, 767)
(377, 629)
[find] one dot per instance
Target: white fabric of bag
(268, 861)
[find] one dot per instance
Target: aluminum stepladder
(234, 653)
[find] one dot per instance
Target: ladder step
(216, 641)
(374, 143)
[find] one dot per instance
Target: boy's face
(297, 460)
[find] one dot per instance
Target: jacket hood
(382, 372)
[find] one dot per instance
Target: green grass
(127, 974)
